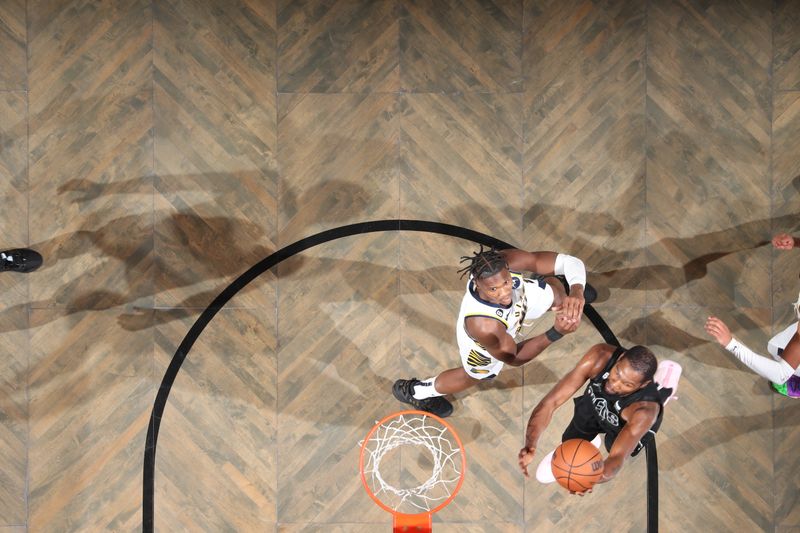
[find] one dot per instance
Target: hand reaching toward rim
(717, 329)
(526, 458)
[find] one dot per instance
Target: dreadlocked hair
(483, 263)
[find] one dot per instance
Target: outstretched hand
(572, 305)
(717, 329)
(783, 241)
(564, 325)
(526, 458)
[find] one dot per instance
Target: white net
(412, 463)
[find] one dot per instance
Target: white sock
(426, 389)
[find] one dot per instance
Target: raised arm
(492, 335)
(777, 371)
(589, 365)
(543, 263)
(639, 418)
(549, 263)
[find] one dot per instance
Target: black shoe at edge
(22, 260)
(403, 390)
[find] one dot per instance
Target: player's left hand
(564, 325)
(572, 305)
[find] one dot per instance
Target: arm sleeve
(776, 371)
(571, 268)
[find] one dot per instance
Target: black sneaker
(20, 260)
(403, 390)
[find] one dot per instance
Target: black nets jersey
(606, 408)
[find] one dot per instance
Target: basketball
(577, 465)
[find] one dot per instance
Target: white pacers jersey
(530, 299)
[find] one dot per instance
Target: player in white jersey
(783, 368)
(497, 301)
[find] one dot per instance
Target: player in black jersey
(621, 401)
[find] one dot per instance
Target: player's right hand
(717, 329)
(565, 325)
(526, 458)
(783, 241)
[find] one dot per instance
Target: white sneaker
(667, 376)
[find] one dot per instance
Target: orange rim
(397, 415)
(419, 523)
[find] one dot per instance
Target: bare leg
(453, 381)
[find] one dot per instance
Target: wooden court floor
(153, 150)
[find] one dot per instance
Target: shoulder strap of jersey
(484, 315)
(648, 394)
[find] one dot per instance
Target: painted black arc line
(148, 485)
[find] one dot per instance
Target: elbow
(547, 405)
(784, 372)
(784, 377)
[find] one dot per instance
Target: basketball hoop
(394, 455)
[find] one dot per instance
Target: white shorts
(480, 365)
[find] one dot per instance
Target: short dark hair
(483, 263)
(642, 361)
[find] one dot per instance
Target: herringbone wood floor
(154, 150)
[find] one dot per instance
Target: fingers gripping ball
(577, 465)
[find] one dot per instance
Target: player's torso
(530, 299)
(511, 316)
(608, 408)
(778, 343)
